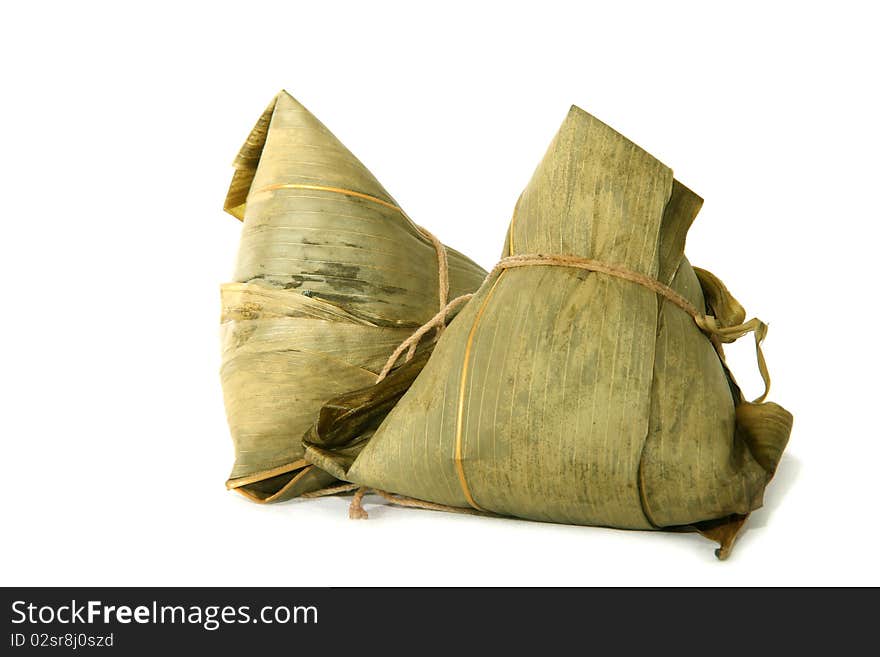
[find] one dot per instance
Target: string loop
(707, 323)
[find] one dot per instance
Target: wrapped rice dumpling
(584, 382)
(331, 276)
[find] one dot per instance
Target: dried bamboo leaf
(570, 396)
(331, 276)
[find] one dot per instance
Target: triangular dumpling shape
(331, 276)
(565, 395)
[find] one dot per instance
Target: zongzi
(584, 382)
(331, 276)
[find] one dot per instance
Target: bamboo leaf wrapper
(330, 277)
(565, 395)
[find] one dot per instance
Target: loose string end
(356, 509)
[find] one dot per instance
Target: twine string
(356, 509)
(707, 323)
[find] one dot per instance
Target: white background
(118, 129)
